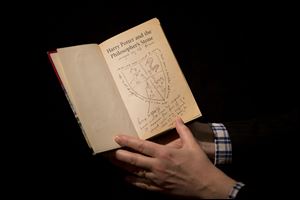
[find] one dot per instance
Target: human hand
(205, 137)
(170, 139)
(201, 131)
(182, 171)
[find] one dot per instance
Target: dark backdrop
(240, 63)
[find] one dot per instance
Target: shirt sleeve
(223, 149)
(235, 190)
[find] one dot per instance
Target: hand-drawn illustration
(147, 78)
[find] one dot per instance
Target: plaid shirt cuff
(236, 188)
(223, 152)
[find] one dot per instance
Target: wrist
(218, 185)
(209, 149)
(222, 185)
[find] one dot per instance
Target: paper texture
(149, 79)
(94, 95)
(129, 84)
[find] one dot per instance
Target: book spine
(68, 99)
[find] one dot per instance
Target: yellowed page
(59, 68)
(149, 79)
(94, 95)
(60, 71)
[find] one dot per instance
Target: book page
(94, 95)
(149, 79)
(60, 72)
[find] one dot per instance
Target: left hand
(181, 168)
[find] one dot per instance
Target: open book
(128, 84)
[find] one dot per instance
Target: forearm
(215, 141)
(205, 136)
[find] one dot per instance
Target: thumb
(184, 133)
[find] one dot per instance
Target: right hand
(184, 171)
(205, 138)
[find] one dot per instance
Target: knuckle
(165, 155)
(133, 161)
(159, 168)
(141, 147)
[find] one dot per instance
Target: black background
(240, 63)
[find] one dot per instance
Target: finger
(184, 132)
(135, 159)
(143, 183)
(142, 146)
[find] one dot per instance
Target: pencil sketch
(147, 78)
